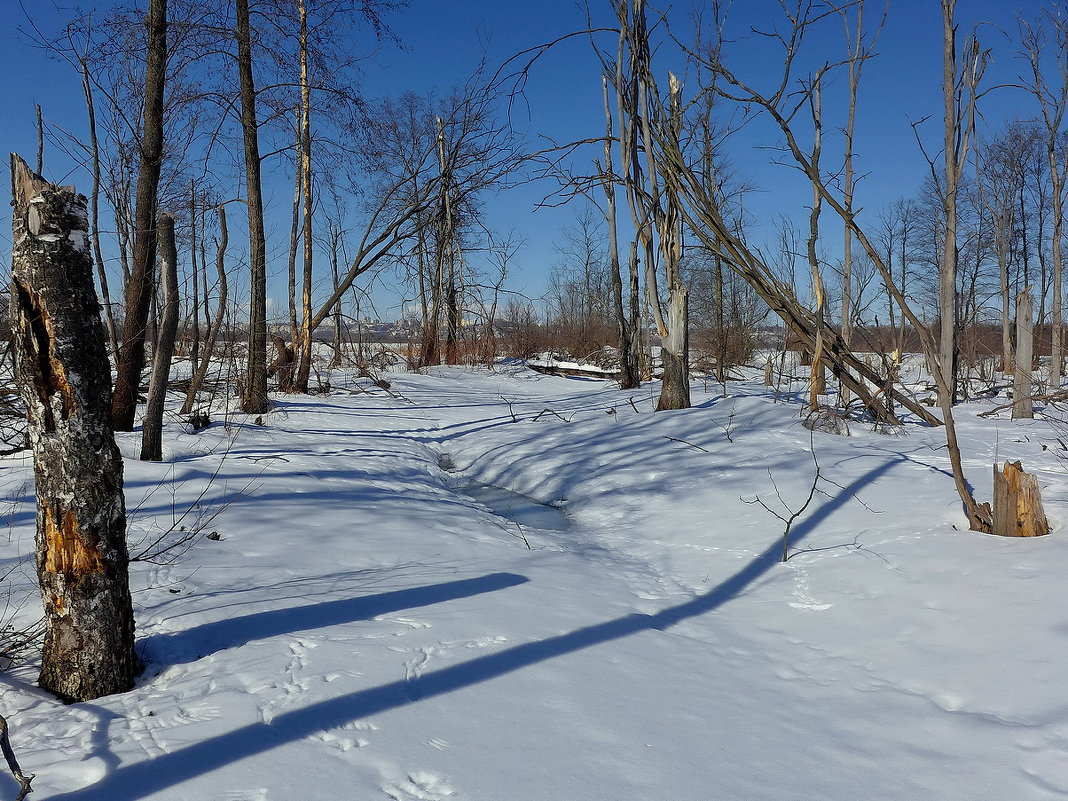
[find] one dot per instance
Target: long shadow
(198, 642)
(143, 778)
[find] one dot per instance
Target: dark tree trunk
(194, 301)
(64, 377)
(254, 394)
(152, 427)
(139, 289)
(454, 314)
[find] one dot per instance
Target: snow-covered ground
(365, 629)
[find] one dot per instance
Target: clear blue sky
(443, 41)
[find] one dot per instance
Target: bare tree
(653, 195)
(1052, 96)
(214, 326)
(254, 398)
(961, 75)
(139, 288)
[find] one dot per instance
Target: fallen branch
(1052, 397)
(549, 411)
(12, 763)
(684, 442)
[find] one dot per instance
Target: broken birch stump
(64, 378)
(1017, 503)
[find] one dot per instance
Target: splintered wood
(1017, 503)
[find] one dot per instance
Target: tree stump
(1017, 503)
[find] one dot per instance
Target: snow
(368, 626)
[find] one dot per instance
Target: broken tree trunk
(65, 382)
(283, 365)
(152, 425)
(1017, 503)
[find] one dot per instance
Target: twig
(550, 411)
(684, 442)
(789, 521)
(511, 411)
(12, 763)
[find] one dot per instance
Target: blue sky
(444, 41)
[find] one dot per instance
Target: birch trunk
(306, 332)
(197, 381)
(152, 426)
(65, 381)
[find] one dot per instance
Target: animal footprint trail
(292, 685)
(803, 593)
(419, 786)
(416, 664)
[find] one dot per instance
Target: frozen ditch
(520, 509)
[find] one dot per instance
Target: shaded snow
(363, 629)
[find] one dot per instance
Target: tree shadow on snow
(187, 646)
(144, 778)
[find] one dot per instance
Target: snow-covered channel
(520, 509)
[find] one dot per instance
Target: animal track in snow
(802, 592)
(414, 666)
(258, 794)
(419, 786)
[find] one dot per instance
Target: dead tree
(1017, 503)
(1022, 405)
(152, 426)
(961, 75)
(654, 195)
(1050, 32)
(629, 375)
(65, 382)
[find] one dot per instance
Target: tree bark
(139, 289)
(254, 398)
(1017, 503)
(152, 425)
(675, 345)
(65, 382)
(947, 273)
(1022, 406)
(304, 366)
(628, 366)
